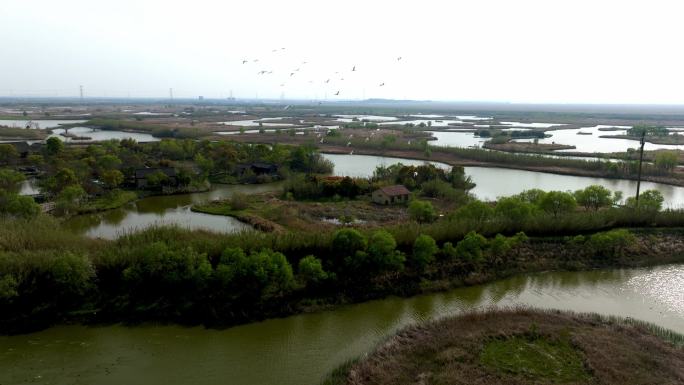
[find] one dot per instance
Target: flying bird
(399, 58)
(353, 68)
(255, 60)
(327, 81)
(244, 61)
(291, 73)
(382, 84)
(337, 93)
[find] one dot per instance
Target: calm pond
(300, 350)
(590, 140)
(37, 124)
(490, 183)
(168, 209)
(94, 135)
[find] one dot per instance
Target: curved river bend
(299, 350)
(490, 182)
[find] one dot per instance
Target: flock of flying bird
(296, 71)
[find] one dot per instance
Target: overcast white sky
(566, 51)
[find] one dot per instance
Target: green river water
(301, 349)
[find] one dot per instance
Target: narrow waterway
(494, 182)
(165, 210)
(300, 350)
(491, 183)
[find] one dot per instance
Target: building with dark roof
(391, 194)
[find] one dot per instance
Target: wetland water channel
(490, 182)
(301, 349)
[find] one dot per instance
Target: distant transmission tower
(171, 94)
(80, 89)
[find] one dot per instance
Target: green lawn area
(537, 358)
(108, 201)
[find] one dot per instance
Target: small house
(141, 175)
(23, 148)
(391, 194)
(258, 168)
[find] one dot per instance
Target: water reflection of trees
(570, 280)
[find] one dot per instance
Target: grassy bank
(166, 274)
(475, 157)
(522, 346)
(10, 133)
(110, 200)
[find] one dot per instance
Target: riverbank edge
(308, 305)
(442, 157)
(340, 374)
(438, 154)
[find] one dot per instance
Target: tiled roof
(395, 190)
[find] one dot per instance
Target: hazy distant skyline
(513, 51)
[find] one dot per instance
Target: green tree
(260, 275)
(112, 178)
(9, 179)
(36, 159)
(424, 250)
(8, 154)
(72, 274)
(205, 164)
(533, 196)
(65, 177)
(160, 277)
(157, 179)
(594, 197)
(557, 203)
(476, 211)
(70, 198)
(382, 252)
(611, 243)
(347, 242)
(650, 201)
(422, 211)
(514, 209)
(18, 205)
(666, 160)
(310, 270)
(108, 162)
(471, 246)
(54, 146)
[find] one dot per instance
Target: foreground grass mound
(522, 346)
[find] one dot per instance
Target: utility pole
(641, 160)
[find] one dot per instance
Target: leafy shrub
(470, 248)
(557, 203)
(611, 243)
(311, 271)
(422, 211)
(594, 197)
(650, 201)
(514, 209)
(424, 249)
